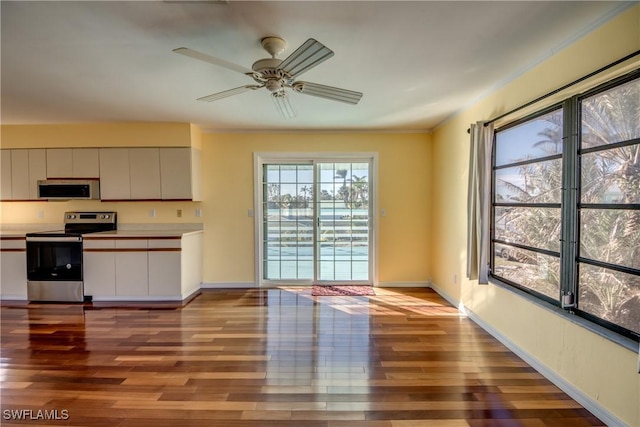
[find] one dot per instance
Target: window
(315, 218)
(565, 222)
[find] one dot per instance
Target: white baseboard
(13, 298)
(402, 285)
(576, 394)
(165, 298)
(451, 300)
(227, 285)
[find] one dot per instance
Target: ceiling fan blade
(307, 56)
(283, 104)
(227, 93)
(213, 60)
(328, 92)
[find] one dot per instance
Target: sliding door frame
(262, 158)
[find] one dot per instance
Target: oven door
(54, 268)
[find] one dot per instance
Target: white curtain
(478, 202)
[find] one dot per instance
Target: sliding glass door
(316, 221)
(342, 246)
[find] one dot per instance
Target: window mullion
(569, 210)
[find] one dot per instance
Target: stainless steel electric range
(54, 258)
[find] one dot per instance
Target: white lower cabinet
(131, 274)
(140, 268)
(99, 267)
(13, 269)
(99, 273)
(164, 273)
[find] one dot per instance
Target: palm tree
(606, 176)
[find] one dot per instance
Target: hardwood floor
(270, 357)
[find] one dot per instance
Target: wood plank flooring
(269, 357)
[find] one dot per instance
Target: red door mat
(342, 290)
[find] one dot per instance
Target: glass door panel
(343, 222)
(320, 235)
(288, 225)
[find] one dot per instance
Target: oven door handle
(55, 239)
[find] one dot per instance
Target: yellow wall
(601, 369)
(97, 135)
(404, 192)
(227, 190)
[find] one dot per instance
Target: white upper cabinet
(144, 170)
(149, 173)
(5, 175)
(180, 173)
(59, 163)
(115, 182)
(73, 163)
(20, 174)
(86, 162)
(21, 170)
(37, 170)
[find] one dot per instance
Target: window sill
(623, 341)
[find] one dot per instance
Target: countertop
(125, 230)
(143, 234)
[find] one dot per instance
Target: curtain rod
(560, 89)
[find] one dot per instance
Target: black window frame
(570, 208)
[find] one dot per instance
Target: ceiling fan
(279, 75)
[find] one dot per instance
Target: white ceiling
(416, 62)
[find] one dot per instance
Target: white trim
(228, 285)
(576, 394)
(451, 300)
(125, 298)
(259, 158)
(223, 131)
(402, 285)
(592, 26)
(13, 298)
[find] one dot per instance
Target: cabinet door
(5, 175)
(13, 269)
(20, 174)
(175, 173)
(132, 277)
(99, 274)
(131, 274)
(59, 163)
(115, 183)
(145, 173)
(86, 162)
(164, 273)
(37, 170)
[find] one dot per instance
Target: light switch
(250, 213)
(383, 212)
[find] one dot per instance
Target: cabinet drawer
(13, 244)
(168, 243)
(89, 244)
(132, 244)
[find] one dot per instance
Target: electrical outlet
(152, 213)
(198, 212)
(250, 213)
(179, 213)
(40, 214)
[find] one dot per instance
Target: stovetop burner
(78, 223)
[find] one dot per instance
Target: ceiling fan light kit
(278, 75)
